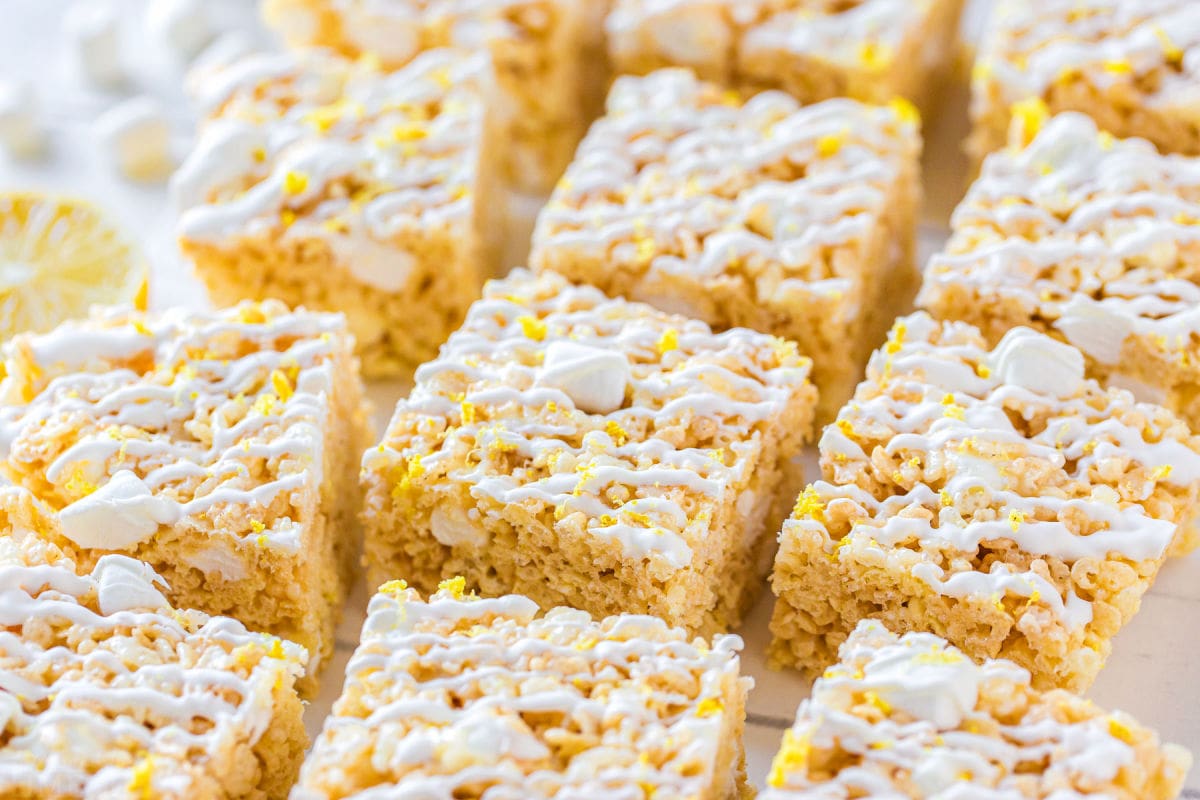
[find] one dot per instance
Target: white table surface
(1154, 672)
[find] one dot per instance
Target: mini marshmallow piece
(137, 135)
(928, 682)
(1094, 329)
(181, 26)
(452, 527)
(594, 378)
(94, 30)
(1038, 363)
(125, 584)
(121, 513)
(20, 133)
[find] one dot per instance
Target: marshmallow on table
(181, 26)
(137, 136)
(20, 133)
(94, 29)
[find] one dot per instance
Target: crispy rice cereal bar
(331, 184)
(220, 448)
(1132, 65)
(106, 691)
(1093, 240)
(535, 47)
(788, 220)
(996, 498)
(593, 453)
(459, 696)
(912, 717)
(871, 50)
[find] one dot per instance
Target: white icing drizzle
(1084, 234)
(692, 32)
(912, 716)
(649, 474)
(135, 699)
(446, 692)
(679, 181)
(309, 145)
(129, 422)
(1036, 44)
(943, 406)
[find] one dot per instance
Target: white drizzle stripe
(691, 421)
(454, 689)
(911, 716)
(1092, 236)
(105, 690)
(129, 421)
(310, 145)
(1035, 45)
(933, 441)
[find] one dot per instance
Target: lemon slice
(58, 257)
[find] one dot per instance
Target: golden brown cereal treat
(994, 497)
(107, 691)
(1129, 64)
(592, 452)
(458, 696)
(912, 717)
(221, 448)
(1088, 238)
(334, 185)
(535, 46)
(872, 50)
(795, 221)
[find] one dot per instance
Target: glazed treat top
(1152, 46)
(312, 145)
(913, 717)
(859, 34)
(457, 691)
(398, 30)
(621, 421)
(681, 177)
(213, 422)
(107, 691)
(959, 463)
(1097, 236)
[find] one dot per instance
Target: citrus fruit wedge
(58, 257)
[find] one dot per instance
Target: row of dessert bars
(1010, 476)
(108, 691)
(375, 175)
(388, 164)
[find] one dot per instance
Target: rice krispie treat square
(1091, 239)
(458, 696)
(912, 717)
(1132, 65)
(222, 448)
(795, 221)
(872, 50)
(591, 452)
(994, 497)
(332, 184)
(107, 691)
(535, 47)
